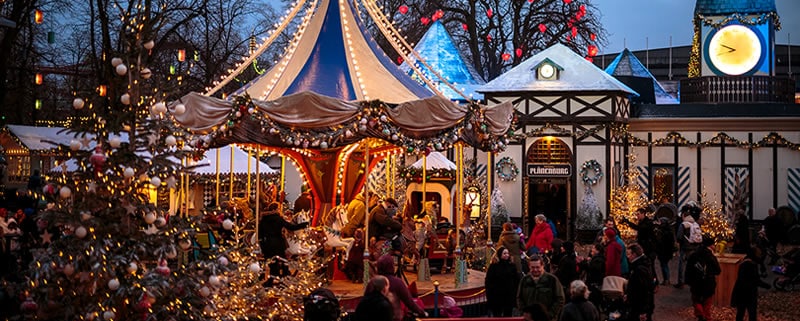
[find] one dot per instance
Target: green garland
(594, 166)
(506, 169)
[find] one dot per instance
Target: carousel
(349, 119)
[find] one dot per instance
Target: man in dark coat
(382, 224)
(645, 235)
(774, 229)
(702, 269)
(270, 237)
(745, 291)
(567, 266)
(640, 293)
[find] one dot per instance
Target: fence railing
(738, 89)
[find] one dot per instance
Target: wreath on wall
(588, 178)
(506, 169)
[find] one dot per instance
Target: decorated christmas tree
(713, 221)
(118, 252)
(589, 215)
(500, 213)
(625, 200)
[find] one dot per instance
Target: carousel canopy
(435, 161)
(438, 50)
(208, 165)
(336, 57)
(310, 120)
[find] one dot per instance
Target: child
(450, 309)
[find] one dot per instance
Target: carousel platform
(470, 293)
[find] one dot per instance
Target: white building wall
(512, 190)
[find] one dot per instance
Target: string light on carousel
(507, 169)
(591, 178)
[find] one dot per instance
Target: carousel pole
(249, 160)
(216, 195)
(461, 266)
(424, 268)
(283, 177)
(230, 192)
(258, 188)
(489, 174)
(367, 275)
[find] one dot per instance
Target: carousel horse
(332, 225)
(297, 240)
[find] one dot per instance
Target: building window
(549, 150)
(664, 183)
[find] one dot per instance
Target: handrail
(737, 89)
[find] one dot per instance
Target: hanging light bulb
(181, 55)
(39, 78)
(38, 16)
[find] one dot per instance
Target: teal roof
(626, 64)
(439, 51)
(726, 7)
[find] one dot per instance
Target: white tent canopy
(208, 165)
(435, 161)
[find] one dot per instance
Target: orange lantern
(38, 16)
(181, 55)
(102, 90)
(39, 78)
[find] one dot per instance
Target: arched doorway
(549, 167)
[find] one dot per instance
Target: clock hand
(730, 49)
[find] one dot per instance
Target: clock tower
(734, 38)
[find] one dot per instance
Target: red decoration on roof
(542, 28)
(438, 15)
(403, 9)
(592, 50)
(425, 20)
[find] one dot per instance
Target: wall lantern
(38, 79)
(38, 16)
(102, 90)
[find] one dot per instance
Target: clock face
(547, 71)
(734, 50)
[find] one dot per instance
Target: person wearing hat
(702, 269)
(382, 223)
(613, 253)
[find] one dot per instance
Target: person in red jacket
(613, 253)
(541, 236)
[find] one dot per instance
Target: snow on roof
(578, 75)
(626, 64)
(438, 50)
(39, 138)
(435, 161)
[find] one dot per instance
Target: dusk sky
(637, 22)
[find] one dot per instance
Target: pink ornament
(464, 26)
(593, 37)
(506, 56)
(592, 50)
(425, 21)
(589, 59)
(518, 52)
(403, 9)
(162, 268)
(574, 32)
(399, 61)
(582, 9)
(542, 28)
(489, 13)
(489, 38)
(567, 1)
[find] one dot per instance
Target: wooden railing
(739, 89)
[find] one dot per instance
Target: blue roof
(725, 7)
(437, 49)
(626, 64)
